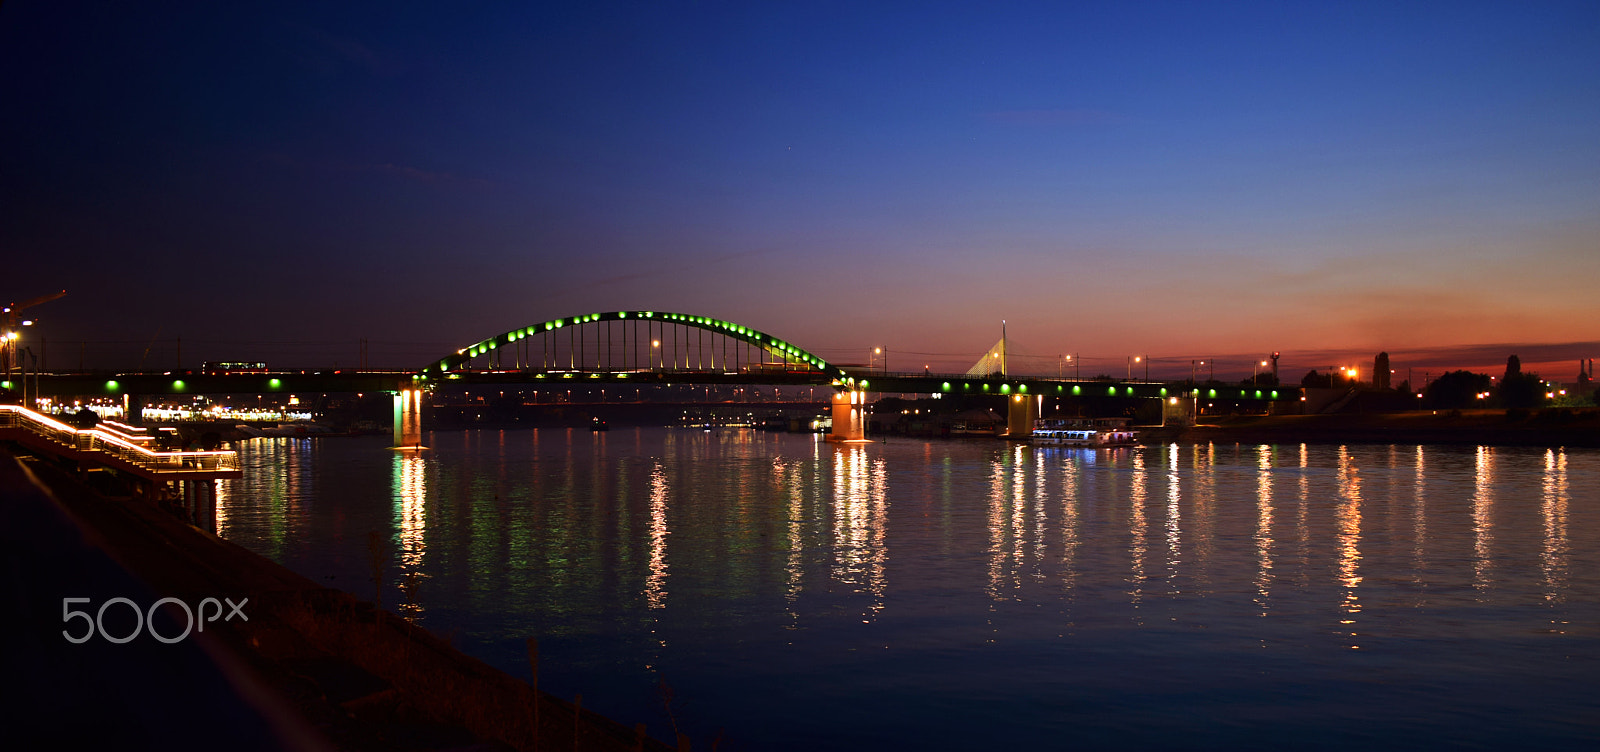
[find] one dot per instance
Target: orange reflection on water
(1482, 525)
(655, 584)
(1348, 516)
(1019, 509)
(1553, 508)
(1419, 519)
(1263, 526)
(1202, 531)
(1137, 528)
(786, 475)
(860, 506)
(1039, 522)
(1302, 534)
(997, 528)
(1070, 482)
(272, 502)
(411, 492)
(1174, 520)
(224, 507)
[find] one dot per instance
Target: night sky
(1182, 180)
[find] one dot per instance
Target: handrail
(116, 444)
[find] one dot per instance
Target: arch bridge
(640, 347)
(637, 344)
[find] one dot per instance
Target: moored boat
(1103, 433)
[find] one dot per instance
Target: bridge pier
(1022, 411)
(849, 416)
(1178, 411)
(408, 419)
(200, 503)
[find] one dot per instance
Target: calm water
(967, 595)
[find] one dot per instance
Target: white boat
(1083, 433)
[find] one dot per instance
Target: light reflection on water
(967, 594)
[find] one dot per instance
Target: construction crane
(10, 319)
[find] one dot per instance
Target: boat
(598, 425)
(1101, 433)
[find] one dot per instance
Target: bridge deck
(150, 384)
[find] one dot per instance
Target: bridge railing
(115, 445)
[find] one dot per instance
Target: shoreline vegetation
(326, 669)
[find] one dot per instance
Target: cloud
(1054, 117)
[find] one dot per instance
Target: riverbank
(1550, 427)
(307, 666)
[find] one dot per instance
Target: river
(783, 593)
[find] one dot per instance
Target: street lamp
(655, 351)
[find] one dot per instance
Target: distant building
(1380, 371)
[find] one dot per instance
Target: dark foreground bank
(295, 666)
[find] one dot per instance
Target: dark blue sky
(1177, 179)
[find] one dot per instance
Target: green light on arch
(772, 344)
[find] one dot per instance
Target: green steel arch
(771, 344)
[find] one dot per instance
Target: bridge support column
(1023, 410)
(849, 416)
(203, 504)
(1178, 411)
(408, 419)
(133, 409)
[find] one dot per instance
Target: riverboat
(1082, 434)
